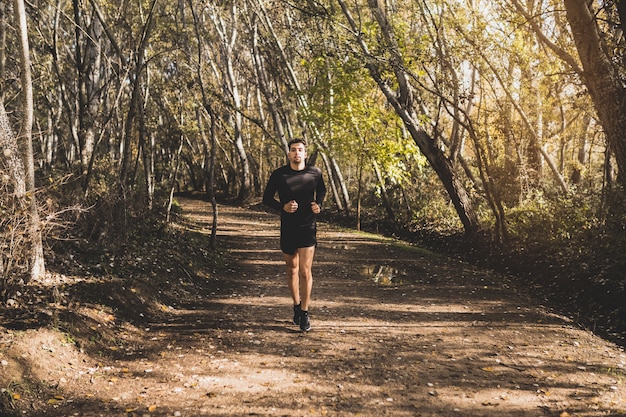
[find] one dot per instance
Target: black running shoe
(305, 322)
(296, 314)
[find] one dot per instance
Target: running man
(301, 191)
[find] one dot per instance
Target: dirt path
(396, 331)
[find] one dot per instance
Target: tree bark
(37, 267)
(11, 154)
(14, 249)
(602, 81)
(3, 43)
(210, 148)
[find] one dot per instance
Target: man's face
(297, 153)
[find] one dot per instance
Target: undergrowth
(568, 251)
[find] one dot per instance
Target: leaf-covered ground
(168, 328)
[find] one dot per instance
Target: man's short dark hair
(296, 140)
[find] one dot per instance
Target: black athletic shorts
(297, 237)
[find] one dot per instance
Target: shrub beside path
(397, 331)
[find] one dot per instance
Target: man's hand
(315, 208)
(291, 206)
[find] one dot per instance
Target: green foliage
(558, 218)
(439, 216)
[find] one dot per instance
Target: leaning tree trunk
(404, 105)
(37, 267)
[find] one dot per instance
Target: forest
(492, 130)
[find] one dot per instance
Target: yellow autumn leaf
(152, 408)
(487, 369)
(17, 396)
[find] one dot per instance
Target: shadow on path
(397, 330)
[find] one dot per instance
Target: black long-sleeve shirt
(305, 186)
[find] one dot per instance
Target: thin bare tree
(37, 267)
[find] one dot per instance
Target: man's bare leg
(305, 275)
(293, 282)
(300, 283)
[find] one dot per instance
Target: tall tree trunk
(604, 84)
(136, 102)
(383, 190)
(14, 248)
(37, 266)
(210, 152)
(359, 191)
(264, 87)
(147, 151)
(341, 183)
(227, 41)
(331, 183)
(174, 176)
(87, 58)
(212, 146)
(3, 43)
(11, 154)
(582, 153)
(493, 197)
